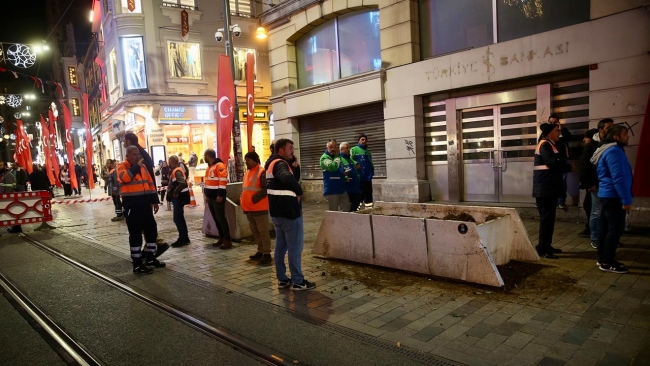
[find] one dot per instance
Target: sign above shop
(177, 139)
(186, 114)
(256, 114)
(259, 115)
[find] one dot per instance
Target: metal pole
(236, 131)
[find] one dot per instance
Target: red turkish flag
(89, 144)
(250, 98)
(130, 4)
(23, 151)
(225, 108)
(45, 136)
(54, 159)
(641, 185)
(67, 119)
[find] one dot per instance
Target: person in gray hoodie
(614, 194)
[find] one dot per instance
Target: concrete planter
(429, 239)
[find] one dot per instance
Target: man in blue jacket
(615, 195)
(361, 155)
(352, 179)
(334, 178)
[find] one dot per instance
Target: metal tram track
(255, 350)
(68, 349)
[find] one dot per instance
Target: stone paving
(556, 312)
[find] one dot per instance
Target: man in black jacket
(549, 167)
(563, 147)
(589, 177)
(284, 193)
(586, 204)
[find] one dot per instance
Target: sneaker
(305, 285)
(556, 250)
(284, 284)
(257, 256)
(593, 245)
(160, 249)
(562, 206)
(117, 218)
(156, 263)
(266, 259)
(142, 269)
(585, 233)
(613, 268)
(180, 243)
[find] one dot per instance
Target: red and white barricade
(25, 208)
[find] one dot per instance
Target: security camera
(219, 35)
(236, 31)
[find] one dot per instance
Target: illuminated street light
(261, 33)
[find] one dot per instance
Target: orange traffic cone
(192, 199)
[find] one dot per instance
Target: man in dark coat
(563, 148)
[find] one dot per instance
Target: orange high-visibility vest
(269, 175)
(251, 185)
(179, 169)
(134, 185)
(542, 166)
(216, 176)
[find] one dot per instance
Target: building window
(240, 63)
(454, 25)
(133, 64)
(72, 74)
(203, 113)
(516, 18)
(184, 60)
(183, 4)
(342, 47)
(133, 4)
(75, 107)
(113, 69)
(240, 7)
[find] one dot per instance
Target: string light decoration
(530, 8)
(2, 100)
(21, 55)
(14, 100)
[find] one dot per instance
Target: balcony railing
(178, 5)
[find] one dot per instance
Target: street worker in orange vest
(216, 179)
(179, 192)
(140, 202)
(255, 204)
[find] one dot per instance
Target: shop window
(516, 18)
(453, 25)
(113, 69)
(133, 66)
(72, 75)
(342, 47)
(131, 6)
(76, 111)
(203, 113)
(240, 63)
(184, 60)
(240, 8)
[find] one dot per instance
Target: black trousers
(546, 208)
(366, 191)
(355, 201)
(586, 205)
(140, 220)
(610, 228)
(118, 206)
(218, 211)
(67, 189)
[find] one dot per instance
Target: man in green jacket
(361, 155)
(334, 178)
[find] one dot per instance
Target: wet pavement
(554, 312)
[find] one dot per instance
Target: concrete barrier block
(400, 242)
(346, 236)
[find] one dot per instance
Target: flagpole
(236, 130)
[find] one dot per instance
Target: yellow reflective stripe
(254, 189)
(212, 187)
(281, 192)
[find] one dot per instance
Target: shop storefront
(261, 132)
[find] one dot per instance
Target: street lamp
(236, 130)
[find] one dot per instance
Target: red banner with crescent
(89, 143)
(54, 159)
(185, 25)
(641, 185)
(23, 153)
(130, 4)
(250, 98)
(67, 119)
(225, 108)
(45, 137)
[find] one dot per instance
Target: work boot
(266, 259)
(227, 244)
(181, 243)
(156, 263)
(219, 242)
(142, 269)
(161, 249)
(257, 256)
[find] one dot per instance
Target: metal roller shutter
(343, 125)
